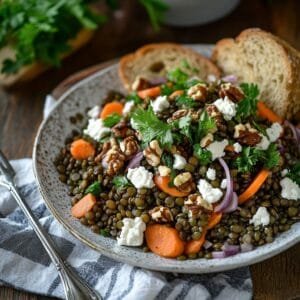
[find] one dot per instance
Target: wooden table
(21, 107)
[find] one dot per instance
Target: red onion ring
(230, 78)
(233, 204)
(295, 131)
(230, 249)
(157, 81)
(135, 161)
(218, 254)
(229, 190)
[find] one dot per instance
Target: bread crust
(139, 53)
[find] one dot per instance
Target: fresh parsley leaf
(121, 182)
(104, 232)
(186, 129)
(167, 159)
(191, 82)
(271, 157)
(259, 128)
(204, 155)
(206, 124)
(185, 101)
(248, 106)
(150, 127)
(178, 76)
(134, 97)
(94, 188)
(294, 172)
(166, 90)
(112, 120)
(248, 158)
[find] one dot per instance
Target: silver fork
(75, 288)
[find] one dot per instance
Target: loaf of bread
(155, 60)
(262, 58)
(31, 71)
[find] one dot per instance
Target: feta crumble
(217, 148)
(290, 189)
(209, 193)
(274, 132)
(132, 233)
(226, 107)
(140, 177)
(224, 183)
(164, 171)
(94, 112)
(179, 162)
(95, 129)
(160, 104)
(128, 107)
(264, 143)
(237, 147)
(211, 174)
(261, 217)
(284, 172)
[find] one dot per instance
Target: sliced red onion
(135, 161)
(230, 78)
(295, 131)
(229, 190)
(157, 81)
(233, 204)
(207, 244)
(281, 148)
(246, 247)
(218, 254)
(230, 249)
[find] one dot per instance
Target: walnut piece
(121, 130)
(214, 113)
(198, 92)
(184, 182)
(234, 93)
(114, 159)
(161, 214)
(205, 141)
(246, 135)
(196, 205)
(153, 153)
(129, 146)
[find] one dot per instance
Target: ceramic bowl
(50, 139)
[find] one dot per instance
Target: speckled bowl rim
(150, 261)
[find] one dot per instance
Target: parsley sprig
(112, 120)
(121, 182)
(94, 188)
(294, 172)
(206, 124)
(151, 127)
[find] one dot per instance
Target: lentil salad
(188, 164)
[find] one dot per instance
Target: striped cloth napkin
(25, 265)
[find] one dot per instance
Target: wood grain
(21, 107)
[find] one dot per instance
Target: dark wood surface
(21, 107)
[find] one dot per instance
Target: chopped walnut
(164, 171)
(106, 146)
(161, 214)
(234, 93)
(121, 130)
(114, 158)
(184, 182)
(206, 140)
(129, 146)
(247, 135)
(140, 84)
(196, 205)
(179, 114)
(153, 153)
(198, 92)
(214, 113)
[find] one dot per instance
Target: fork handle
(75, 288)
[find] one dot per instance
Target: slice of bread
(31, 71)
(262, 58)
(155, 60)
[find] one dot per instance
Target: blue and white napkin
(25, 265)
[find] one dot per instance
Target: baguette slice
(262, 58)
(155, 60)
(29, 72)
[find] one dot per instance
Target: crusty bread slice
(262, 58)
(31, 71)
(155, 60)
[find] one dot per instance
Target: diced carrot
(254, 186)
(164, 241)
(215, 219)
(162, 182)
(112, 108)
(81, 149)
(229, 148)
(83, 206)
(151, 92)
(176, 94)
(194, 246)
(267, 113)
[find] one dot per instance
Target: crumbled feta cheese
(96, 129)
(211, 78)
(224, 183)
(284, 172)
(261, 217)
(128, 107)
(217, 148)
(264, 143)
(290, 189)
(140, 177)
(274, 131)
(160, 104)
(237, 147)
(211, 174)
(164, 171)
(209, 193)
(179, 162)
(94, 112)
(226, 107)
(132, 233)
(206, 140)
